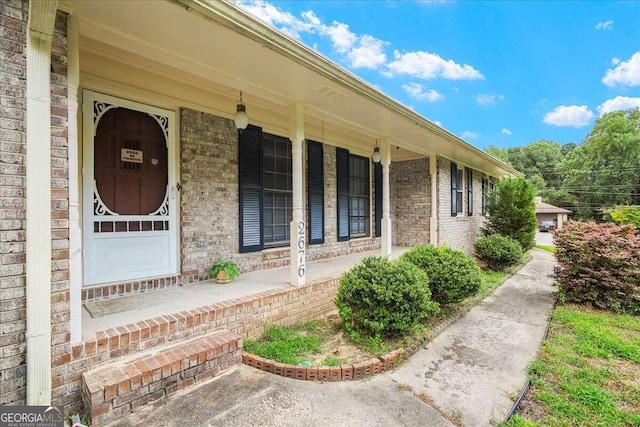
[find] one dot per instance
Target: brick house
(120, 116)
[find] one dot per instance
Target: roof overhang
(228, 50)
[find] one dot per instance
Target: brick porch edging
(355, 371)
(245, 316)
(376, 365)
(360, 370)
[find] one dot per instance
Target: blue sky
(495, 73)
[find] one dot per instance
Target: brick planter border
(376, 365)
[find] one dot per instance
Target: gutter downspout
(42, 15)
(75, 233)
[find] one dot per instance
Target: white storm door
(129, 190)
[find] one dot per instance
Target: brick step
(121, 387)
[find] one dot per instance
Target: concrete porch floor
(190, 296)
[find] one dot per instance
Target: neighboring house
(545, 211)
(122, 170)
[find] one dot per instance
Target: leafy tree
(560, 198)
(541, 158)
(498, 153)
(625, 215)
(600, 172)
(569, 146)
(603, 170)
(537, 161)
(512, 211)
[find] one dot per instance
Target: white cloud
(467, 134)
(361, 51)
(606, 25)
(569, 115)
(417, 91)
(284, 21)
(310, 16)
(506, 131)
(425, 65)
(626, 73)
(438, 122)
(618, 103)
(341, 37)
(368, 54)
(488, 98)
(615, 60)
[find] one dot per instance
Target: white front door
(129, 190)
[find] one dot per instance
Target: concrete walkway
(470, 374)
(477, 367)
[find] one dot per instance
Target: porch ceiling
(230, 51)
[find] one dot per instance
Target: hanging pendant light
(241, 119)
(376, 154)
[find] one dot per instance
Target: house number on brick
(301, 239)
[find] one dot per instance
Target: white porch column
(42, 16)
(433, 220)
(75, 233)
(298, 226)
(387, 237)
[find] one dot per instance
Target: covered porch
(113, 314)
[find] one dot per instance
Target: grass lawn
(587, 374)
(289, 344)
(547, 248)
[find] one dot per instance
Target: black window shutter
(485, 190)
(250, 188)
(469, 191)
(315, 191)
(342, 170)
(454, 189)
(377, 188)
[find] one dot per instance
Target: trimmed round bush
(378, 298)
(498, 252)
(452, 274)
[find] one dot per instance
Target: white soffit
(171, 34)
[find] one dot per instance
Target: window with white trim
(277, 190)
(459, 188)
(359, 196)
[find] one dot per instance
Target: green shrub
(511, 211)
(452, 274)
(625, 215)
(498, 252)
(379, 298)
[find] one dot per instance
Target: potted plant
(224, 271)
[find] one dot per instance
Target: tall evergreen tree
(511, 211)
